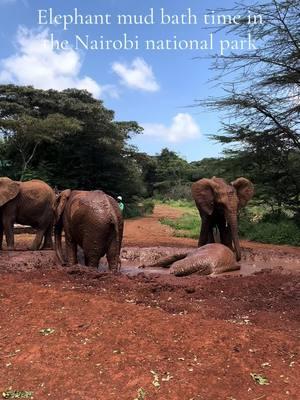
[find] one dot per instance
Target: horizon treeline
(70, 140)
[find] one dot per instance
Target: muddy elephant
(211, 259)
(27, 203)
(91, 220)
(218, 204)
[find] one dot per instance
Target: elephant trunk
(57, 245)
(232, 220)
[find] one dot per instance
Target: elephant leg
(225, 233)
(91, 259)
(113, 255)
(8, 227)
(210, 236)
(71, 248)
(48, 242)
(92, 252)
(205, 232)
(36, 244)
(1, 234)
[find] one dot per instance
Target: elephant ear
(244, 190)
(8, 190)
(60, 204)
(204, 193)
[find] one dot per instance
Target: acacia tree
(262, 98)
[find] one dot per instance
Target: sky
(157, 87)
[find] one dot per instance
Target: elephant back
(38, 191)
(9, 189)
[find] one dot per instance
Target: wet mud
(253, 261)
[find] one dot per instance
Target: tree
(263, 98)
(25, 127)
(67, 138)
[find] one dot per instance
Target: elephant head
(216, 199)
(8, 190)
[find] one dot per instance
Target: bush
(133, 210)
(269, 229)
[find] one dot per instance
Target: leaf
(47, 331)
(155, 381)
(141, 394)
(259, 379)
(167, 377)
(15, 394)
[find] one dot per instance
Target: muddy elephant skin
(27, 203)
(211, 259)
(91, 220)
(218, 204)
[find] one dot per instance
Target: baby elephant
(91, 220)
(214, 258)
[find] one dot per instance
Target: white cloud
(36, 63)
(183, 127)
(138, 75)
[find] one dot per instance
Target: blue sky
(153, 87)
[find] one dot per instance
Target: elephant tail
(58, 247)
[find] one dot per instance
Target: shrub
(282, 230)
(138, 209)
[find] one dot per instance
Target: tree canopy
(262, 100)
(67, 138)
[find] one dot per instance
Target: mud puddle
(253, 260)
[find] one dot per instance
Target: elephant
(27, 203)
(218, 204)
(211, 259)
(92, 220)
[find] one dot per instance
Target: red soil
(176, 338)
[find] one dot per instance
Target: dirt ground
(75, 333)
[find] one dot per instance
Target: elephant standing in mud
(211, 259)
(91, 220)
(218, 204)
(27, 203)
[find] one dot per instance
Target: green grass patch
(188, 225)
(282, 231)
(189, 206)
(254, 224)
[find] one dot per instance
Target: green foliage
(68, 139)
(262, 103)
(138, 208)
(282, 230)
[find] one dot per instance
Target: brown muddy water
(253, 260)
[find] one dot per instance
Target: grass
(257, 224)
(188, 225)
(284, 231)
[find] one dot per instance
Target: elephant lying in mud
(214, 258)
